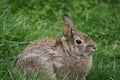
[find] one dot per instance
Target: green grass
(101, 21)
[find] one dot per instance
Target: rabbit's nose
(94, 49)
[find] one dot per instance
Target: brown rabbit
(68, 57)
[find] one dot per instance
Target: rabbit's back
(43, 43)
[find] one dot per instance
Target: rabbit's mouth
(88, 49)
(89, 52)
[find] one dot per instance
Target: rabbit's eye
(78, 41)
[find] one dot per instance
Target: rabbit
(65, 58)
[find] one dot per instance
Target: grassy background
(22, 21)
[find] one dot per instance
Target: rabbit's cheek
(78, 49)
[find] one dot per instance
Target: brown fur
(63, 57)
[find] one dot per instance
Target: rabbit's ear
(67, 20)
(67, 26)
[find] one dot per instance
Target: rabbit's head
(76, 43)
